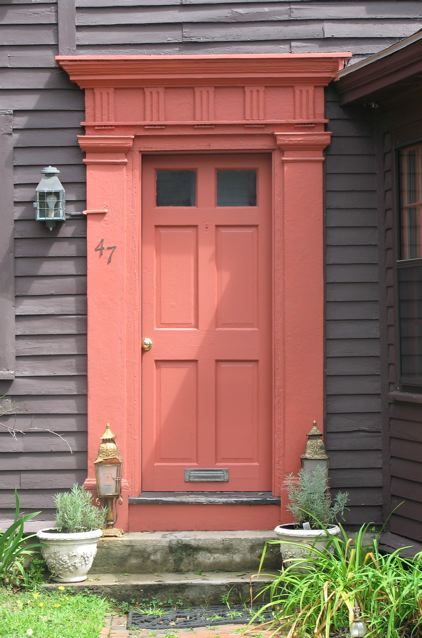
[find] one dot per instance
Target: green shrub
(317, 600)
(15, 551)
(75, 511)
(310, 499)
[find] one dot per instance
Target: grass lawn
(51, 614)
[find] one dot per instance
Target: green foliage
(310, 499)
(317, 600)
(56, 614)
(15, 551)
(75, 511)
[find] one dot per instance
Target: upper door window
(236, 187)
(176, 188)
(409, 268)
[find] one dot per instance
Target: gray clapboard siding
(7, 287)
(53, 366)
(37, 441)
(60, 343)
(54, 422)
(56, 305)
(353, 382)
(44, 462)
(184, 14)
(66, 325)
(54, 266)
(50, 286)
(353, 329)
(72, 228)
(47, 247)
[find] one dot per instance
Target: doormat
(196, 617)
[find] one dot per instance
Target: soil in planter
(195, 617)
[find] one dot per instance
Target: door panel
(206, 305)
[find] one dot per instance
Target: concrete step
(182, 552)
(172, 589)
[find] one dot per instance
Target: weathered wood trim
(381, 71)
(66, 26)
(7, 286)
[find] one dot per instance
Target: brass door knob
(146, 344)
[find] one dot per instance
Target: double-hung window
(409, 268)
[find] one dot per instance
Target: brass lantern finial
(315, 453)
(108, 448)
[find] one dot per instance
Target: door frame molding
(138, 105)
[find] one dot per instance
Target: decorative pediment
(203, 90)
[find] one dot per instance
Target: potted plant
(315, 513)
(69, 549)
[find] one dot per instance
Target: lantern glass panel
(108, 479)
(50, 206)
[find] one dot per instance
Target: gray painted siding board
(43, 344)
(38, 441)
(51, 305)
(44, 463)
(349, 9)
(7, 287)
(30, 228)
(57, 422)
(50, 247)
(50, 286)
(41, 326)
(41, 386)
(52, 266)
(39, 34)
(183, 14)
(28, 14)
(51, 366)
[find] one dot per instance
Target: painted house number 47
(100, 248)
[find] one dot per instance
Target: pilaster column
(107, 201)
(302, 268)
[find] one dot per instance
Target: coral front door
(206, 307)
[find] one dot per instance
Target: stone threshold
(205, 498)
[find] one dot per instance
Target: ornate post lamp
(108, 474)
(315, 454)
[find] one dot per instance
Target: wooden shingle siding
(50, 268)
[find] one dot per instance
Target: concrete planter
(296, 541)
(69, 556)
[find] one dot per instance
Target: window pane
(411, 202)
(176, 188)
(236, 188)
(410, 318)
(411, 177)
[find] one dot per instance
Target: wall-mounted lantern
(50, 202)
(315, 454)
(108, 474)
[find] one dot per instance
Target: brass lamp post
(108, 474)
(315, 454)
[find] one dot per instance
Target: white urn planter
(296, 540)
(69, 556)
